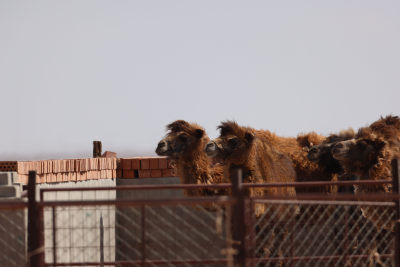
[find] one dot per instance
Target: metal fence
(12, 233)
(303, 230)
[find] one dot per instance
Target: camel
(322, 155)
(368, 157)
(184, 145)
(258, 157)
(294, 148)
(261, 162)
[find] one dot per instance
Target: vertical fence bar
(396, 190)
(143, 236)
(238, 217)
(35, 221)
(101, 241)
(54, 236)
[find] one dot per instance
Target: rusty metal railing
(248, 241)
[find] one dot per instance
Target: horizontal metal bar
(318, 183)
(324, 197)
(216, 186)
(136, 262)
(12, 205)
(211, 261)
(141, 202)
(315, 258)
(324, 202)
(139, 187)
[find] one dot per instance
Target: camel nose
(210, 146)
(313, 150)
(161, 147)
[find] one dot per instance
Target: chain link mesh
(13, 238)
(324, 234)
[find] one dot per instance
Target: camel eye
(233, 142)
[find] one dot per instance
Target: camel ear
(199, 133)
(249, 137)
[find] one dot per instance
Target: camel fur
(368, 157)
(184, 145)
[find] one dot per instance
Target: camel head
(234, 141)
(317, 152)
(323, 151)
(182, 139)
(360, 153)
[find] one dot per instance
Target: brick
(154, 163)
(162, 163)
(128, 174)
(144, 164)
(59, 177)
(144, 174)
(155, 173)
(135, 164)
(73, 176)
(109, 154)
(126, 164)
(23, 179)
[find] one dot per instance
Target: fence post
(238, 217)
(396, 190)
(97, 149)
(35, 221)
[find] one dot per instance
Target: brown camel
(261, 162)
(368, 157)
(258, 157)
(322, 155)
(184, 144)
(295, 148)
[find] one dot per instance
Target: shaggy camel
(261, 162)
(258, 157)
(184, 144)
(322, 155)
(294, 148)
(368, 157)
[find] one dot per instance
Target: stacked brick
(8, 166)
(155, 167)
(55, 171)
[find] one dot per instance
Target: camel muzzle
(211, 149)
(162, 148)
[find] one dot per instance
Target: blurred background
(118, 71)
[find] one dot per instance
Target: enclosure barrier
(306, 230)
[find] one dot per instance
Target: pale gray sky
(119, 71)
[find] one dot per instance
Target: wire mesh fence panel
(82, 234)
(176, 235)
(13, 239)
(79, 234)
(323, 234)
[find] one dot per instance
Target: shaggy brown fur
(184, 144)
(322, 155)
(295, 148)
(369, 158)
(261, 162)
(257, 155)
